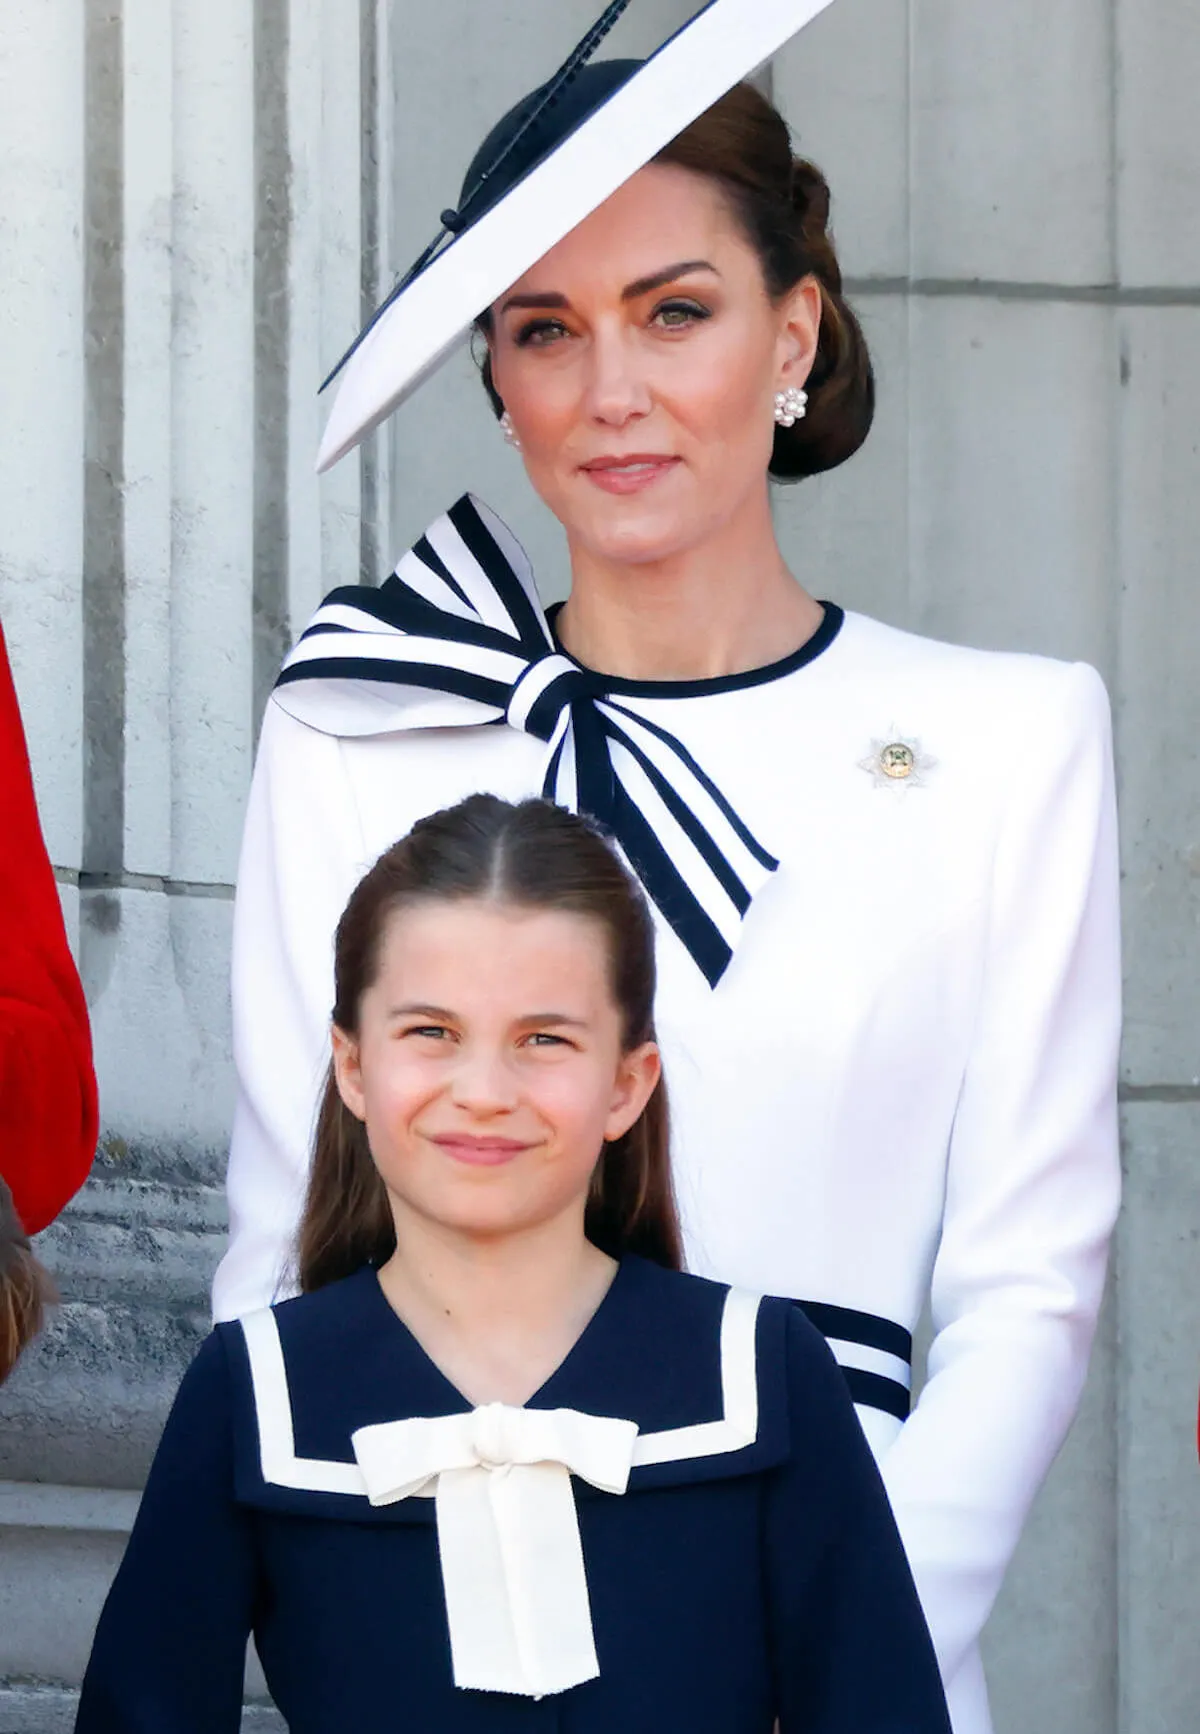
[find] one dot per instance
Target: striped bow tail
(457, 636)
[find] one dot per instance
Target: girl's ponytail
(347, 1221)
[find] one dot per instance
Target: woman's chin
(635, 533)
(650, 524)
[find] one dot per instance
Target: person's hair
(25, 1287)
(535, 856)
(782, 203)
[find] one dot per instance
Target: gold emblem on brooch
(897, 762)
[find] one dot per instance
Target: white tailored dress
(903, 1083)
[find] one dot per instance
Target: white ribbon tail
(733, 842)
(512, 1569)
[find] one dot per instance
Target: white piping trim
(281, 1467)
(739, 1393)
(276, 1441)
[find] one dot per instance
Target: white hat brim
(703, 60)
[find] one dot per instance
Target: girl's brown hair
(531, 856)
(782, 203)
(25, 1288)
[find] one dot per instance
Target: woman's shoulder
(872, 651)
(986, 708)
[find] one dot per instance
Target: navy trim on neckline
(822, 638)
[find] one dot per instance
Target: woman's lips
(628, 475)
(480, 1152)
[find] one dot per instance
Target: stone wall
(198, 199)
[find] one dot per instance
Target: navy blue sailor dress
(749, 1573)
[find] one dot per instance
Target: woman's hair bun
(841, 384)
(810, 201)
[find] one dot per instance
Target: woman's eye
(543, 1039)
(539, 332)
(431, 1032)
(677, 315)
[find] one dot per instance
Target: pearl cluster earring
(790, 406)
(509, 431)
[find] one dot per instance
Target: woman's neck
(723, 608)
(497, 1316)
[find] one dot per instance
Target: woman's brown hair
(531, 855)
(25, 1288)
(782, 203)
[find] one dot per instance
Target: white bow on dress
(508, 1532)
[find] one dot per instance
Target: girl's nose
(483, 1083)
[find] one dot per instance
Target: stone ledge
(133, 1258)
(87, 1403)
(31, 1505)
(36, 1707)
(120, 1198)
(154, 1239)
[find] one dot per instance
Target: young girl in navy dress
(501, 1466)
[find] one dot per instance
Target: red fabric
(48, 1109)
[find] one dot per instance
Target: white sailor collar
(698, 1367)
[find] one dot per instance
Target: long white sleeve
(1033, 1177)
(302, 855)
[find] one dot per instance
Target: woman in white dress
(885, 868)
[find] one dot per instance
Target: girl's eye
(678, 315)
(432, 1032)
(544, 1039)
(539, 332)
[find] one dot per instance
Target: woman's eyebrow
(658, 279)
(631, 291)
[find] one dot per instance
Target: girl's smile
(479, 1152)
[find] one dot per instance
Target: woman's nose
(617, 388)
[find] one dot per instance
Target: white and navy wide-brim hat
(549, 164)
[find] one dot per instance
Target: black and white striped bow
(457, 636)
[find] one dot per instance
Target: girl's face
(488, 1066)
(639, 361)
